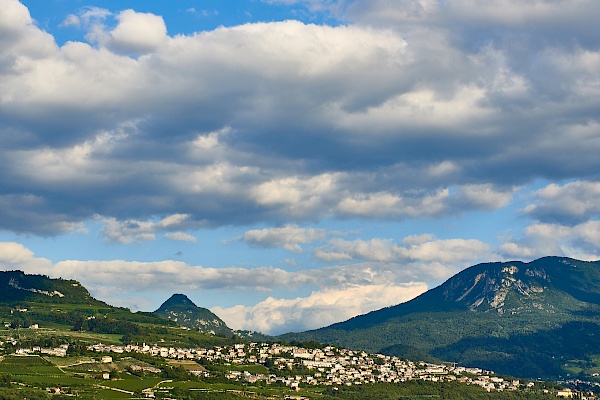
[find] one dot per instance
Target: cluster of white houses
(299, 366)
(295, 366)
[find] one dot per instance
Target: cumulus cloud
(482, 197)
(20, 37)
(570, 203)
(373, 250)
(289, 237)
(135, 231)
(425, 248)
(514, 16)
(181, 236)
(297, 196)
(136, 33)
(383, 205)
(320, 308)
(128, 231)
(542, 239)
(71, 20)
(16, 256)
(119, 275)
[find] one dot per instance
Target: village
(295, 366)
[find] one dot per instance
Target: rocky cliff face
(488, 290)
(544, 285)
(18, 286)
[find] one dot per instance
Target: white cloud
(569, 203)
(386, 205)
(71, 20)
(510, 14)
(372, 250)
(297, 196)
(181, 236)
(321, 308)
(424, 255)
(120, 276)
(540, 239)
(92, 15)
(289, 237)
(482, 197)
(411, 109)
(136, 33)
(16, 256)
(128, 231)
(174, 220)
(332, 256)
(20, 38)
(450, 251)
(443, 202)
(134, 231)
(413, 240)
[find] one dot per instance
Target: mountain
(178, 308)
(534, 319)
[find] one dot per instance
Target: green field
(133, 383)
(252, 368)
(29, 365)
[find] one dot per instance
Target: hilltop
(181, 310)
(16, 286)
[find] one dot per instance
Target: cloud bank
(408, 112)
(288, 122)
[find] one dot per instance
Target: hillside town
(295, 366)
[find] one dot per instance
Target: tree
(16, 323)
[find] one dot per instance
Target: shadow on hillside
(533, 355)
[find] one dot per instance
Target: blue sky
(293, 163)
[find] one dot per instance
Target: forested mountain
(16, 286)
(180, 309)
(524, 319)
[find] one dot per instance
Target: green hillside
(37, 300)
(526, 319)
(16, 286)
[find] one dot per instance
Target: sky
(289, 164)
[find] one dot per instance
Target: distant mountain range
(537, 319)
(525, 319)
(178, 308)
